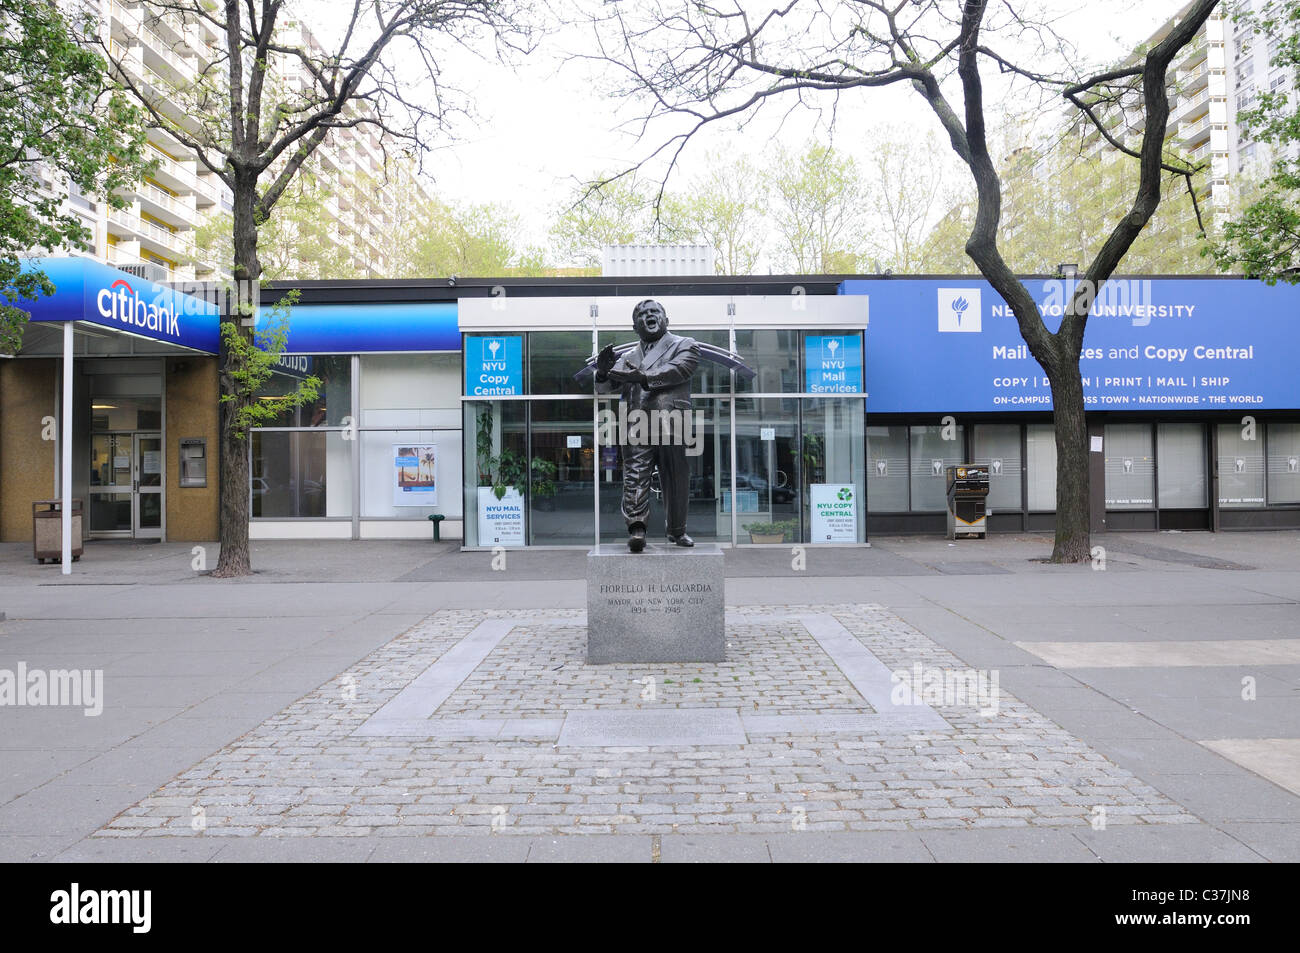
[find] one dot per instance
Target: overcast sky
(543, 125)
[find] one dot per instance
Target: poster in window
(415, 471)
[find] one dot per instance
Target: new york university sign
(952, 345)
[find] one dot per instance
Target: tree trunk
(1073, 511)
(234, 559)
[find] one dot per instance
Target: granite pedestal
(664, 604)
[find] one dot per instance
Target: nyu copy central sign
(494, 366)
(953, 345)
(86, 290)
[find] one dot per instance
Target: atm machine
(968, 490)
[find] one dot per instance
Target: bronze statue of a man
(655, 379)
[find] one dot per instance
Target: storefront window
(887, 469)
(1130, 467)
(563, 457)
(997, 446)
(934, 449)
(302, 473)
(1283, 463)
(495, 444)
(1181, 478)
(334, 397)
(1241, 466)
(554, 357)
(767, 470)
(831, 464)
(1040, 467)
(709, 378)
(774, 354)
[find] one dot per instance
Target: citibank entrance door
(146, 513)
(126, 485)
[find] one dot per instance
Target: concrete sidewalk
(1175, 663)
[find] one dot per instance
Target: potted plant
(503, 481)
(766, 532)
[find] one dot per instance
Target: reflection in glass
(1040, 464)
(832, 459)
(1241, 467)
(1283, 463)
(1180, 449)
(1130, 467)
(554, 357)
(774, 354)
(495, 444)
(301, 474)
(997, 446)
(768, 478)
(887, 469)
(334, 397)
(934, 449)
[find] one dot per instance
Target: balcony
(157, 51)
(120, 256)
(1190, 108)
(1193, 134)
(1193, 55)
(128, 17)
(167, 242)
(169, 208)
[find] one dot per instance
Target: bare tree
(700, 64)
(263, 100)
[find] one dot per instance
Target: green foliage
(819, 209)
(299, 242)
(723, 208)
(251, 360)
(786, 529)
(603, 212)
(59, 110)
(1060, 207)
(508, 468)
(1263, 240)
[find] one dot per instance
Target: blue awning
(86, 290)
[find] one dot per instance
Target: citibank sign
(90, 291)
(120, 302)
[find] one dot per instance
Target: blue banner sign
(833, 364)
(369, 328)
(86, 290)
(952, 345)
(494, 366)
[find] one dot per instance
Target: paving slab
(1277, 759)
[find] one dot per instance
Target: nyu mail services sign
(952, 345)
(87, 290)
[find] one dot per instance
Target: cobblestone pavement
(538, 671)
(308, 772)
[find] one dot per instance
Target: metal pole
(65, 448)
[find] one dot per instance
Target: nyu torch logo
(959, 309)
(120, 302)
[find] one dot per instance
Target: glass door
(148, 477)
(111, 489)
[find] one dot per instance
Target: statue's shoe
(682, 540)
(636, 537)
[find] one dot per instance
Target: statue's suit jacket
(668, 367)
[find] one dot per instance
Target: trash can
(968, 490)
(47, 530)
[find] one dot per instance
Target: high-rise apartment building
(155, 234)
